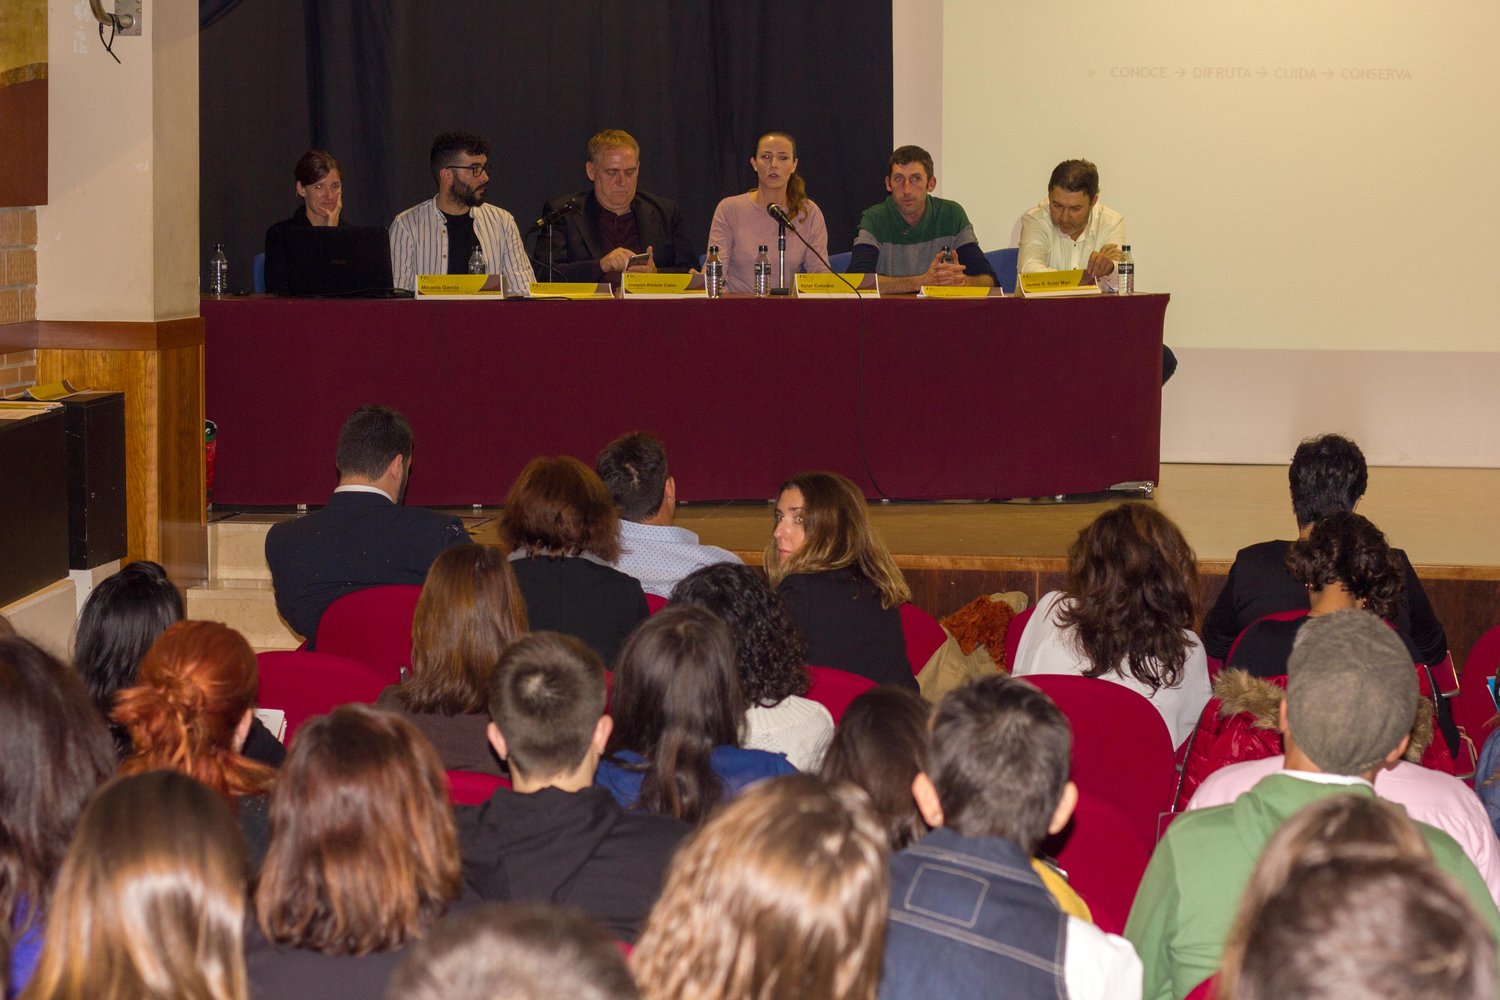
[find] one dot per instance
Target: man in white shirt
(1071, 230)
(441, 235)
(652, 549)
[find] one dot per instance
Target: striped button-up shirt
(419, 245)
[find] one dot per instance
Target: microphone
(779, 214)
(555, 216)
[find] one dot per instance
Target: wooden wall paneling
(180, 470)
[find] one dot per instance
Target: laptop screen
(338, 260)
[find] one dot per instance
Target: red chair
(835, 689)
(307, 684)
(470, 788)
(923, 636)
(1104, 857)
(1275, 616)
(1122, 752)
(1013, 636)
(1475, 707)
(654, 603)
(1206, 990)
(373, 626)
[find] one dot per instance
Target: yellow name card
(1058, 283)
(646, 284)
(834, 286)
(447, 286)
(960, 291)
(571, 290)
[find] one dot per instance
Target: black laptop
(339, 261)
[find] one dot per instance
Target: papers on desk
(837, 286)
(648, 285)
(571, 290)
(20, 409)
(1055, 284)
(48, 391)
(461, 286)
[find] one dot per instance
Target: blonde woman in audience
(1346, 901)
(771, 658)
(1125, 615)
(54, 751)
(191, 710)
(470, 610)
(782, 896)
(839, 581)
(675, 747)
(562, 528)
(742, 223)
(150, 903)
(363, 857)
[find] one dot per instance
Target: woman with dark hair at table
(469, 612)
(562, 529)
(54, 751)
(843, 588)
(742, 223)
(363, 859)
(321, 188)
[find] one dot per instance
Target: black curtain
(695, 83)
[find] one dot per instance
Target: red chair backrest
(1275, 616)
(655, 603)
(373, 626)
(1104, 857)
(1122, 752)
(834, 689)
(1013, 635)
(1206, 990)
(1475, 707)
(923, 636)
(470, 788)
(306, 684)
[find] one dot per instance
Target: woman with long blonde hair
(782, 896)
(842, 586)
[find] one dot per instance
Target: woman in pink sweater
(742, 223)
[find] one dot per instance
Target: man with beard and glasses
(439, 236)
(363, 537)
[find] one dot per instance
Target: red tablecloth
(911, 399)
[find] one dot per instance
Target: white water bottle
(1125, 272)
(218, 271)
(762, 273)
(713, 274)
(476, 261)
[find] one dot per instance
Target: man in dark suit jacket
(614, 222)
(364, 537)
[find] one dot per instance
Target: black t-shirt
(461, 242)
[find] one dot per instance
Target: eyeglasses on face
(474, 169)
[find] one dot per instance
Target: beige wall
(118, 240)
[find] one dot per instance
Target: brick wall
(17, 291)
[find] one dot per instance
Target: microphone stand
(781, 221)
(781, 286)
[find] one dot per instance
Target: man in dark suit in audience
(614, 221)
(1328, 474)
(364, 537)
(555, 836)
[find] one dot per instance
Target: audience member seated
(614, 221)
(652, 549)
(469, 611)
(554, 836)
(1125, 615)
(843, 588)
(191, 710)
(1327, 474)
(563, 533)
(1350, 700)
(904, 238)
(995, 784)
(1343, 562)
(770, 657)
(364, 537)
(783, 894)
(675, 747)
(54, 751)
(320, 185)
(1347, 902)
(1487, 781)
(528, 952)
(124, 614)
(151, 899)
(363, 858)
(742, 223)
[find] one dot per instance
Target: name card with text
(648, 285)
(961, 292)
(838, 286)
(571, 290)
(460, 286)
(1055, 284)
